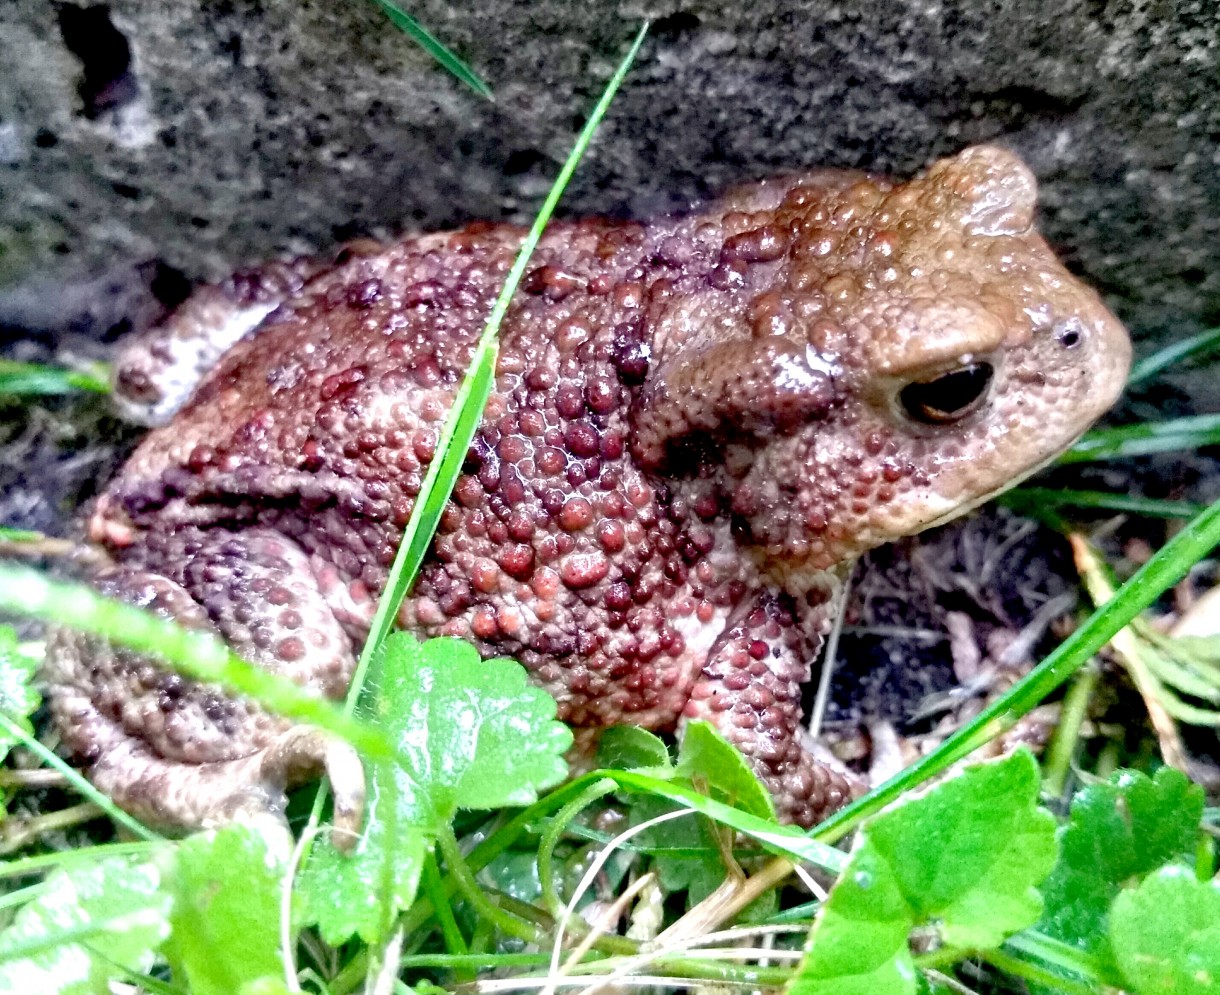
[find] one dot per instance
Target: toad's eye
(949, 397)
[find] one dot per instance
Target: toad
(698, 423)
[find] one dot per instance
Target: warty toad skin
(698, 423)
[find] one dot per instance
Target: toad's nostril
(1069, 333)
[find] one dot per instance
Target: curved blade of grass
(1165, 569)
(22, 866)
(786, 841)
(1176, 352)
(199, 655)
(467, 411)
(1145, 438)
(1036, 498)
(35, 380)
(464, 416)
(78, 781)
(1031, 944)
(434, 47)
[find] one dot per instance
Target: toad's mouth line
(1017, 478)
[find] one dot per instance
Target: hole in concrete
(347, 231)
(674, 26)
(105, 56)
(169, 285)
(523, 161)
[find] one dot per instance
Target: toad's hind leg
(750, 690)
(180, 753)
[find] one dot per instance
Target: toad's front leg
(184, 754)
(750, 690)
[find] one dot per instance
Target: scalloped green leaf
(88, 925)
(858, 945)
(970, 854)
(1117, 832)
(226, 910)
(345, 894)
(478, 736)
(964, 861)
(1166, 934)
(632, 748)
(711, 764)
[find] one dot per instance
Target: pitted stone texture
(696, 424)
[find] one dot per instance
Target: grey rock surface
(219, 133)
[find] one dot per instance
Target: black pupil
(948, 397)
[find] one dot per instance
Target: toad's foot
(179, 753)
(750, 690)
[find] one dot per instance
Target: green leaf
(1117, 832)
(708, 762)
(226, 910)
(346, 893)
(476, 734)
(632, 748)
(710, 765)
(18, 699)
(964, 860)
(859, 943)
(971, 854)
(96, 922)
(1166, 935)
(686, 854)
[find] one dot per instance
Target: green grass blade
(463, 419)
(1176, 352)
(22, 866)
(1036, 498)
(784, 841)
(36, 380)
(1145, 438)
(1156, 576)
(433, 46)
(78, 781)
(199, 655)
(8, 534)
(467, 411)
